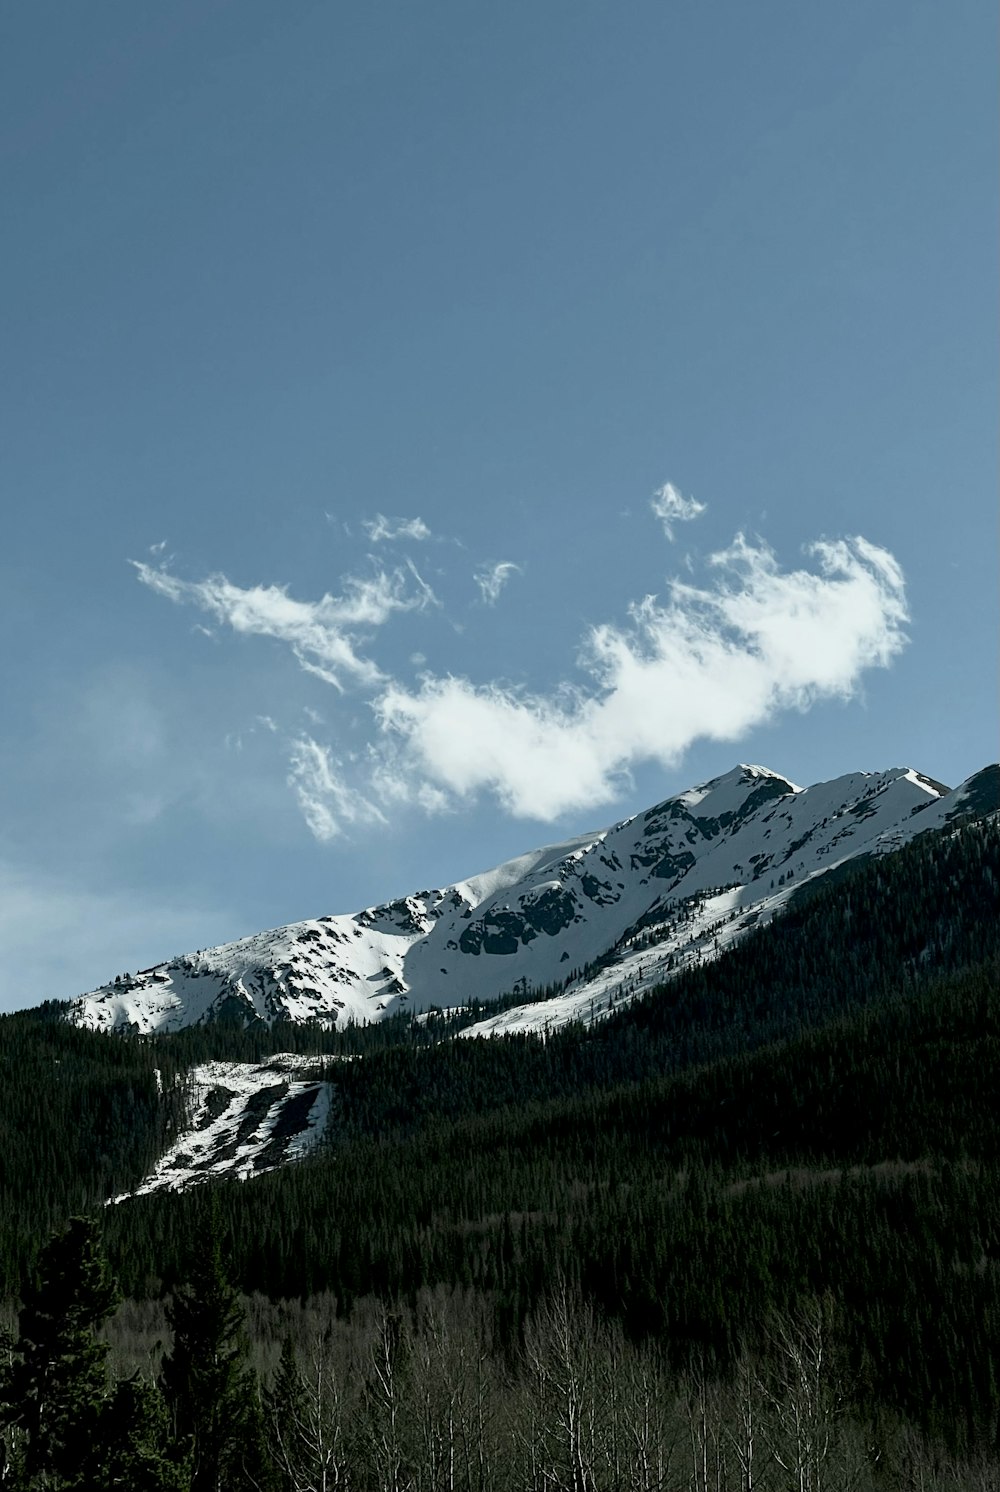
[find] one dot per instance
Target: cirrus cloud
(323, 635)
(671, 506)
(382, 528)
(491, 580)
(706, 661)
(325, 798)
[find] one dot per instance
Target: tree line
(424, 1399)
(860, 1161)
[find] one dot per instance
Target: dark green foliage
(137, 1450)
(209, 1387)
(54, 1392)
(81, 1118)
(66, 1430)
(862, 1160)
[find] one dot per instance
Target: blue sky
(432, 430)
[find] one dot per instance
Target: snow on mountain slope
(243, 1120)
(574, 929)
(697, 870)
(977, 797)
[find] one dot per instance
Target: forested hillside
(808, 1124)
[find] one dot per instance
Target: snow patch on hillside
(243, 1120)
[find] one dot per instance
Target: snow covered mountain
(562, 932)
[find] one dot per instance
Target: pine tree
(136, 1442)
(54, 1389)
(209, 1387)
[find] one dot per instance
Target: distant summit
(563, 932)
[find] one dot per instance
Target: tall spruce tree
(136, 1443)
(54, 1389)
(211, 1390)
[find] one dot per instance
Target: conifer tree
(210, 1389)
(54, 1389)
(136, 1442)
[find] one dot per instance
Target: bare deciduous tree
(804, 1396)
(559, 1353)
(307, 1422)
(385, 1403)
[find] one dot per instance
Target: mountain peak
(728, 794)
(570, 929)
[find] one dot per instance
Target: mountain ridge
(567, 927)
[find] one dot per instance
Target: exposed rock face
(701, 867)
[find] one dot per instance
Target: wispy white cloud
(425, 593)
(671, 506)
(381, 528)
(326, 800)
(712, 662)
(322, 634)
(491, 579)
(706, 661)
